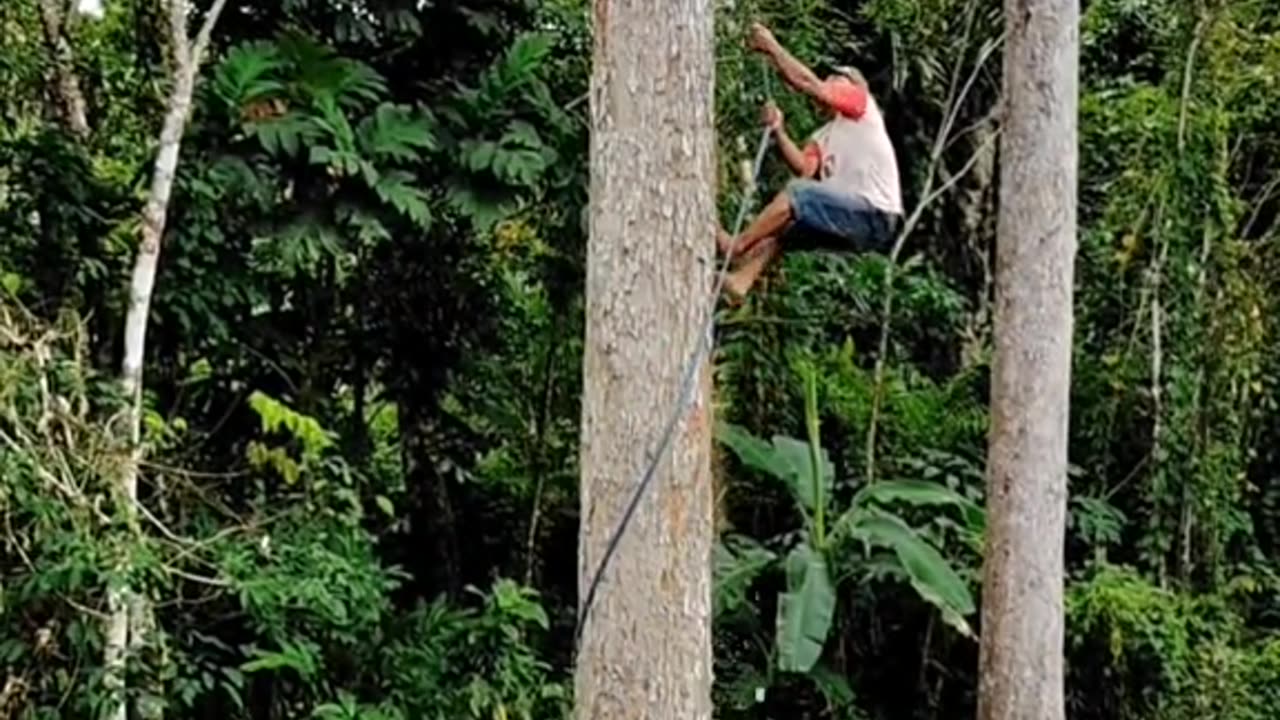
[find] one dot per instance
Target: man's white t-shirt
(854, 150)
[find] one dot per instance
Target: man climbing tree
(1022, 616)
(846, 195)
(645, 649)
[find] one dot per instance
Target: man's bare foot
(724, 241)
(735, 288)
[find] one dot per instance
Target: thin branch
(1265, 195)
(1157, 361)
(164, 529)
(208, 475)
(536, 451)
(13, 540)
(964, 169)
(928, 195)
(206, 31)
(212, 582)
(973, 127)
(91, 612)
(1186, 82)
(195, 546)
(987, 50)
(1133, 473)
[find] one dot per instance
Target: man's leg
(739, 282)
(769, 223)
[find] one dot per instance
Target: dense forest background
(363, 371)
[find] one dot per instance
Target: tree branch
(954, 102)
(212, 582)
(964, 170)
(1265, 195)
(180, 44)
(206, 31)
(1186, 82)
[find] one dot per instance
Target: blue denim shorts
(825, 219)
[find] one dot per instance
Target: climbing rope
(682, 405)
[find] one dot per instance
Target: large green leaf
(931, 575)
(247, 74)
(483, 205)
(397, 188)
(738, 561)
(394, 132)
(521, 167)
(804, 610)
(920, 493)
(286, 134)
(785, 458)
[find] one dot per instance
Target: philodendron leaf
(804, 610)
(931, 575)
(785, 458)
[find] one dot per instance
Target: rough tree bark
(646, 645)
(1022, 615)
(130, 624)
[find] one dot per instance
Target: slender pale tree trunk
(130, 624)
(1022, 615)
(57, 17)
(646, 646)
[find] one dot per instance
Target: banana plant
(807, 606)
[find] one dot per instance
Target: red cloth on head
(845, 97)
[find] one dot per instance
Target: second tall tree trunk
(1021, 661)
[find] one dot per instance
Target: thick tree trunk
(130, 624)
(1022, 615)
(646, 646)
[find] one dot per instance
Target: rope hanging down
(682, 404)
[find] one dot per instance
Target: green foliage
(929, 572)
(806, 608)
(1142, 652)
(364, 357)
(784, 458)
(499, 153)
(294, 94)
(478, 664)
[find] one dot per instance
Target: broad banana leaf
(804, 610)
(785, 458)
(921, 492)
(931, 575)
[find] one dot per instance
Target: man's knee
(782, 200)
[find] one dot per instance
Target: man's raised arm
(844, 99)
(795, 73)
